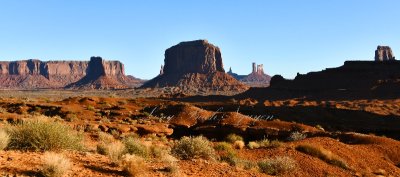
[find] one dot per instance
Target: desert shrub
(230, 158)
(134, 146)
(263, 143)
(133, 165)
(114, 151)
(233, 137)
(253, 145)
(193, 147)
(55, 165)
(296, 136)
(109, 146)
(43, 135)
(277, 166)
(238, 144)
(322, 154)
(223, 146)
(172, 165)
(275, 144)
(104, 140)
(4, 139)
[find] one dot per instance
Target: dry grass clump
(297, 136)
(322, 154)
(133, 165)
(55, 165)
(44, 134)
(110, 147)
(275, 144)
(223, 146)
(134, 146)
(193, 147)
(172, 164)
(4, 139)
(232, 138)
(277, 166)
(238, 144)
(253, 145)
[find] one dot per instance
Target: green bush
(277, 166)
(193, 147)
(44, 135)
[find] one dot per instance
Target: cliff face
(103, 74)
(195, 65)
(34, 74)
(193, 57)
(384, 53)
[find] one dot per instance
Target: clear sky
(287, 36)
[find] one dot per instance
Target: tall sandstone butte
(36, 74)
(384, 53)
(195, 65)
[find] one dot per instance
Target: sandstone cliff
(36, 74)
(384, 53)
(195, 65)
(103, 74)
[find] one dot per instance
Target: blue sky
(287, 36)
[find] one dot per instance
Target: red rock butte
(195, 65)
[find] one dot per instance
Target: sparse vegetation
(133, 165)
(44, 134)
(322, 154)
(55, 165)
(275, 144)
(193, 147)
(253, 145)
(4, 139)
(238, 144)
(297, 136)
(134, 146)
(233, 137)
(277, 166)
(110, 147)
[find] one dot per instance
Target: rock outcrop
(384, 53)
(353, 80)
(257, 78)
(36, 74)
(103, 74)
(195, 65)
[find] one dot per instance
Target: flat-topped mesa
(193, 57)
(194, 66)
(384, 53)
(34, 74)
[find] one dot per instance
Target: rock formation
(384, 53)
(195, 65)
(257, 78)
(103, 74)
(36, 74)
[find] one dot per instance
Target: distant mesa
(355, 79)
(36, 74)
(103, 74)
(384, 53)
(257, 78)
(195, 65)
